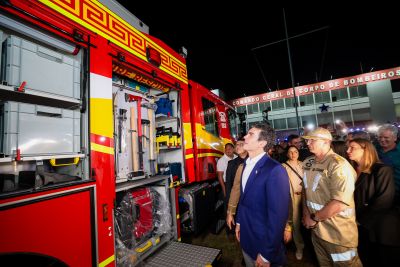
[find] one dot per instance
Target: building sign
(365, 78)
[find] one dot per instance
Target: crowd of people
(344, 196)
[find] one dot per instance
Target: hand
(261, 263)
(237, 232)
(230, 221)
(287, 236)
(308, 222)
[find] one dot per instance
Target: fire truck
(107, 150)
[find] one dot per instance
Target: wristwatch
(313, 217)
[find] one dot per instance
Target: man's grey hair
(267, 133)
(388, 127)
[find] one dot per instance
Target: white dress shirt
(250, 163)
(222, 164)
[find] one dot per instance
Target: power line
(292, 37)
(262, 72)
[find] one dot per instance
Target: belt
(297, 193)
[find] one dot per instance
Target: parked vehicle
(107, 149)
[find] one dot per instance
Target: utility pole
(290, 60)
(291, 74)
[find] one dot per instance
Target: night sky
(220, 42)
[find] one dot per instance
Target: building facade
(359, 101)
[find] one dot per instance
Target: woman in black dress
(373, 196)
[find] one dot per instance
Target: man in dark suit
(264, 202)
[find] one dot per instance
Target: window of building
(358, 91)
(251, 109)
(308, 120)
(322, 97)
(395, 85)
(210, 116)
(278, 104)
(339, 94)
(289, 102)
(362, 114)
(362, 90)
(241, 109)
(306, 100)
(325, 118)
(343, 115)
(280, 124)
(292, 122)
(265, 106)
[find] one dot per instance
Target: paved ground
(231, 253)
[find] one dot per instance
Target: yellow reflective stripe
(202, 155)
(190, 156)
(107, 261)
(187, 131)
(102, 149)
(101, 117)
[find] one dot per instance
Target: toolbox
(58, 74)
(38, 130)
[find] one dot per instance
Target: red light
(153, 56)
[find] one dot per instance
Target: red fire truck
(107, 150)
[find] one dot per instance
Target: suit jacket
(230, 174)
(235, 192)
(263, 211)
(374, 198)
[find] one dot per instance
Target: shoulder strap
(298, 175)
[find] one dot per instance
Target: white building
(358, 101)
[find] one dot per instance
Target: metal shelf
(166, 148)
(10, 93)
(46, 157)
(5, 160)
(165, 119)
(43, 157)
(136, 183)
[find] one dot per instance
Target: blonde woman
(373, 196)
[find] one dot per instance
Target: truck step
(176, 254)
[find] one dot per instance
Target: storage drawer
(39, 130)
(41, 68)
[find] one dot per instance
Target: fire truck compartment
(42, 68)
(38, 130)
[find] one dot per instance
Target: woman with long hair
(295, 172)
(373, 196)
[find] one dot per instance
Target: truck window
(232, 123)
(210, 116)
